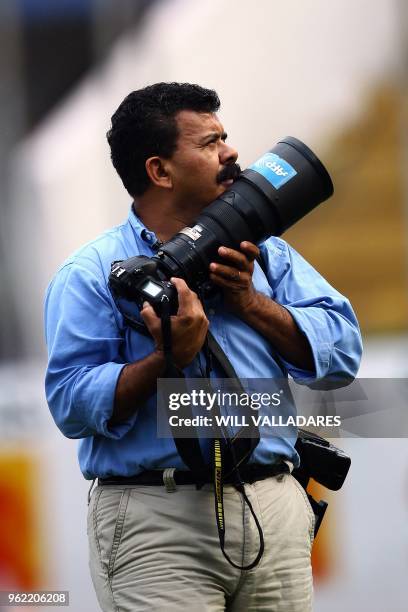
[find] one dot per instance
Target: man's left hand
(235, 277)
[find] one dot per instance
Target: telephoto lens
(270, 196)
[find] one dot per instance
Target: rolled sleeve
(335, 343)
(83, 341)
(322, 314)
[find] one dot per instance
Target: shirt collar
(147, 236)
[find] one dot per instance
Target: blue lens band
(275, 169)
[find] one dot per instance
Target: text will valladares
(234, 420)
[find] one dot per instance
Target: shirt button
(148, 236)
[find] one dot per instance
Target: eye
(216, 139)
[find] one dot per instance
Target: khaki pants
(151, 550)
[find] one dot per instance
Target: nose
(227, 154)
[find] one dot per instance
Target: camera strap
(227, 453)
(218, 479)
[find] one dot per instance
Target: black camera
(320, 460)
(139, 279)
(269, 197)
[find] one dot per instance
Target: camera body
(321, 460)
(139, 279)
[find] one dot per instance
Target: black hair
(145, 125)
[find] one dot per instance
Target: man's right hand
(188, 327)
(137, 381)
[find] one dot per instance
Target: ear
(156, 169)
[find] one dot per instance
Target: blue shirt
(89, 343)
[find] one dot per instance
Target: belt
(249, 474)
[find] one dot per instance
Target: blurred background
(333, 74)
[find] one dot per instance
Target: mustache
(232, 171)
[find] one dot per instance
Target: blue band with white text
(275, 169)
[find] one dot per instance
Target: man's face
(203, 165)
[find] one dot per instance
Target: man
(152, 549)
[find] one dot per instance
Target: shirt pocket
(106, 522)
